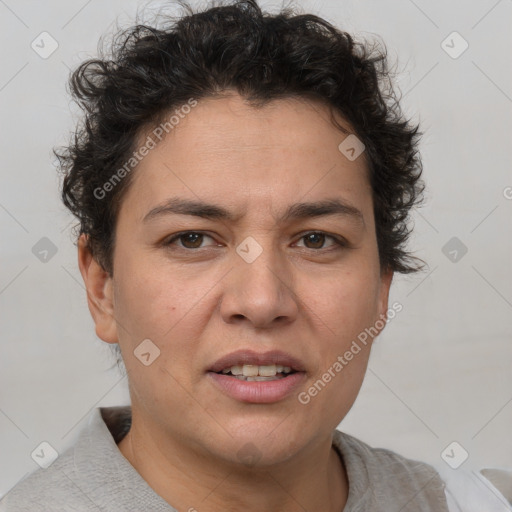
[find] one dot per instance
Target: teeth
(236, 370)
(252, 370)
(249, 370)
(259, 378)
(267, 371)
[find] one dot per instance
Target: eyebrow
(178, 206)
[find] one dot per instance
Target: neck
(314, 479)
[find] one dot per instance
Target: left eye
(317, 239)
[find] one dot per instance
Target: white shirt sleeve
(470, 491)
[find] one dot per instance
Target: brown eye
(315, 239)
(188, 240)
(194, 239)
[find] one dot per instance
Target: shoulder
(43, 487)
(381, 479)
(89, 476)
(389, 473)
(382, 462)
(80, 476)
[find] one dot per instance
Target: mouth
(248, 376)
(257, 373)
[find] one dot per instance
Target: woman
(243, 183)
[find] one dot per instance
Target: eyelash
(339, 241)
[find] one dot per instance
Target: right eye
(188, 239)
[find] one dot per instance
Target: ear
(99, 287)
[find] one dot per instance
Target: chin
(259, 449)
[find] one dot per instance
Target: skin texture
(299, 296)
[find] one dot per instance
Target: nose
(259, 293)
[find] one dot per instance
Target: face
(245, 277)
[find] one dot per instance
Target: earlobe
(99, 288)
(385, 285)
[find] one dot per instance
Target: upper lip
(246, 356)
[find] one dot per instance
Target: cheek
(341, 313)
(157, 305)
(152, 303)
(343, 306)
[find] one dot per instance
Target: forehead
(226, 150)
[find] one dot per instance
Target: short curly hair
(150, 71)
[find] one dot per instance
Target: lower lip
(259, 392)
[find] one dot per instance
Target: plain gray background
(442, 369)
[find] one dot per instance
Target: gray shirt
(93, 475)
